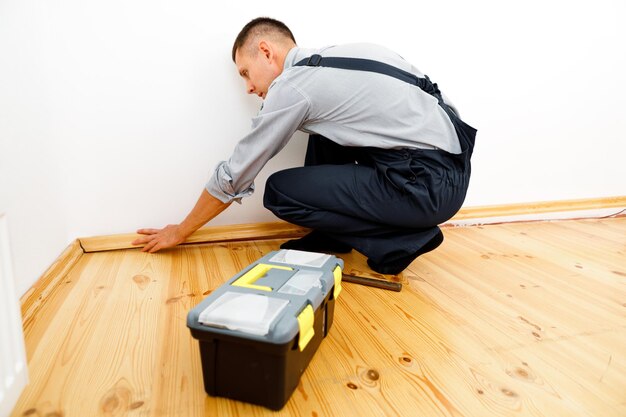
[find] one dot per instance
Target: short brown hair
(261, 25)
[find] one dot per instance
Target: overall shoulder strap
(358, 64)
(361, 64)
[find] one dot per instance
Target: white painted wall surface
(13, 369)
(113, 114)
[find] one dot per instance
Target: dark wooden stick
(372, 282)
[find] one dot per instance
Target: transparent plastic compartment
(301, 282)
(300, 258)
(247, 313)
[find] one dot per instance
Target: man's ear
(266, 49)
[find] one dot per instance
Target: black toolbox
(259, 331)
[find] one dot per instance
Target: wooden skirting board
(49, 281)
(211, 234)
(506, 210)
(282, 230)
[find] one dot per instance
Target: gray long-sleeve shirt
(351, 108)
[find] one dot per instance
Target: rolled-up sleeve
(284, 110)
(220, 185)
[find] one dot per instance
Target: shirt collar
(296, 54)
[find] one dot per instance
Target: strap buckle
(314, 60)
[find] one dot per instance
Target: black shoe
(396, 266)
(316, 242)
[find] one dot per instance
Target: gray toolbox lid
(268, 301)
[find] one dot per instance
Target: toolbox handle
(248, 279)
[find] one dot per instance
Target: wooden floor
(524, 319)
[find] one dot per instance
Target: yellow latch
(305, 322)
(337, 275)
(249, 278)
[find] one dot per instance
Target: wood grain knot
(172, 300)
(508, 392)
(116, 400)
(180, 297)
(481, 392)
(405, 359)
(302, 391)
(524, 374)
(110, 404)
(135, 405)
(142, 281)
(529, 323)
(351, 385)
(29, 412)
(373, 375)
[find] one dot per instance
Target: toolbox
(258, 331)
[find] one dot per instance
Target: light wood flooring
(519, 319)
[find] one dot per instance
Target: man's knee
(275, 191)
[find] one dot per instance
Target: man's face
(258, 68)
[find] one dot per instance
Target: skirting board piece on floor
(210, 234)
(49, 281)
(557, 215)
(564, 209)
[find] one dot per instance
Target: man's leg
(354, 205)
(322, 151)
(387, 206)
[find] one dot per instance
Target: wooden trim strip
(212, 234)
(37, 294)
(283, 230)
(539, 207)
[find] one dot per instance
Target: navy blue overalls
(385, 203)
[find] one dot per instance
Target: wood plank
(602, 389)
(501, 320)
(517, 282)
(236, 232)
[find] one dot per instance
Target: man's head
(259, 53)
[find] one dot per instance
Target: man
(387, 159)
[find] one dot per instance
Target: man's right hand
(205, 209)
(157, 239)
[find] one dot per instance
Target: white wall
(113, 113)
